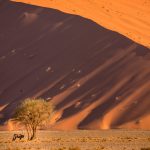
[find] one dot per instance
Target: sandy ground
(84, 140)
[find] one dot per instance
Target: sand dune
(130, 18)
(97, 78)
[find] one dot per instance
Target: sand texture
(97, 78)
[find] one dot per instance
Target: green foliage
(33, 113)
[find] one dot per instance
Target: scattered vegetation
(78, 140)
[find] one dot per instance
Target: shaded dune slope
(130, 18)
(97, 78)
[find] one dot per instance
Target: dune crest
(130, 18)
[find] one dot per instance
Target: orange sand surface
(128, 17)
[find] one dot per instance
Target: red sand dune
(97, 78)
(128, 17)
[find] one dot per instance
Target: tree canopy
(33, 113)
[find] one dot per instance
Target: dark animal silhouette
(19, 136)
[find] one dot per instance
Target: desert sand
(79, 140)
(96, 77)
(128, 17)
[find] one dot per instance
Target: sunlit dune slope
(128, 17)
(97, 78)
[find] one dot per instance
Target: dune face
(128, 17)
(97, 78)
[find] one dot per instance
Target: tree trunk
(33, 134)
(28, 134)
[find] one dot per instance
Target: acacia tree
(33, 113)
